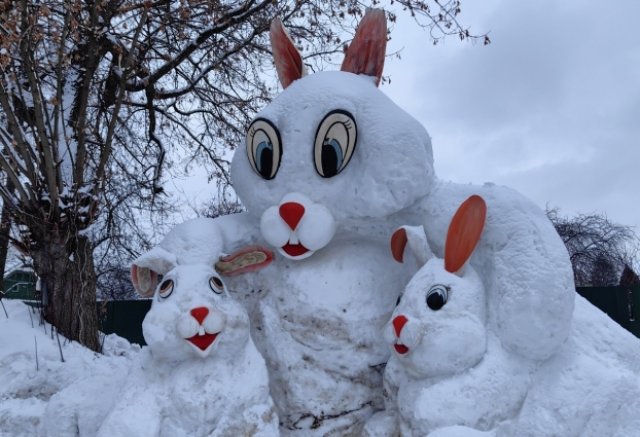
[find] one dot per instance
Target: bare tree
(96, 94)
(598, 248)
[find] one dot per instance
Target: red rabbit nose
(291, 213)
(199, 314)
(398, 324)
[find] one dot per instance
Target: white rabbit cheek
(297, 227)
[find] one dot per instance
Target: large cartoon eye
(166, 288)
(335, 143)
(216, 285)
(437, 296)
(264, 148)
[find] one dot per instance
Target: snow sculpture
(450, 376)
(331, 168)
(201, 374)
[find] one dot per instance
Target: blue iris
(264, 159)
(332, 157)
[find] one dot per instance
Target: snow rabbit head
(332, 150)
(192, 313)
(439, 325)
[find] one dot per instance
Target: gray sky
(550, 108)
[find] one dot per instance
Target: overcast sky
(550, 108)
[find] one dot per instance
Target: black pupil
(435, 300)
(329, 160)
(217, 282)
(265, 161)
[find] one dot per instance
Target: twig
(59, 346)
(3, 307)
(31, 317)
(36, 341)
(104, 336)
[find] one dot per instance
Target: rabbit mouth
(295, 251)
(202, 342)
(401, 348)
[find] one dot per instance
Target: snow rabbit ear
(366, 52)
(464, 232)
(288, 60)
(146, 270)
(249, 259)
(416, 237)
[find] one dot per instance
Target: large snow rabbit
(331, 168)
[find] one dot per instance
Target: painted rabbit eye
(437, 296)
(166, 288)
(216, 285)
(335, 143)
(264, 148)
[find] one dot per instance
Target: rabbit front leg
(480, 398)
(138, 413)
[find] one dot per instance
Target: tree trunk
(68, 282)
(5, 229)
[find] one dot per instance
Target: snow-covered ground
(35, 367)
(40, 378)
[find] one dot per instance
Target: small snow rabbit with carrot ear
(447, 367)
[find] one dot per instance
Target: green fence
(622, 304)
(20, 284)
(124, 317)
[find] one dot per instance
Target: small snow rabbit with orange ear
(447, 367)
(201, 374)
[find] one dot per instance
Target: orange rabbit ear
(285, 55)
(366, 52)
(398, 243)
(464, 232)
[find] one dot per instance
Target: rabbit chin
(429, 360)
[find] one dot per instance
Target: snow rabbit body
(438, 333)
(202, 375)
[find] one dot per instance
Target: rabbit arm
(238, 230)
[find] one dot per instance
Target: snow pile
(30, 385)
